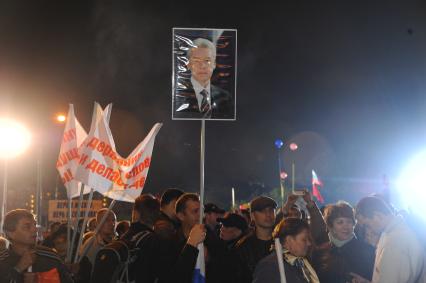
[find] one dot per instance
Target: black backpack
(114, 261)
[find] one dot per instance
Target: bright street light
(61, 118)
(15, 138)
(411, 184)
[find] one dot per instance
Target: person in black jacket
(167, 223)
(179, 261)
(343, 253)
(23, 261)
(256, 245)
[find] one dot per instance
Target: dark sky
(346, 80)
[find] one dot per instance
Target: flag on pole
(73, 136)
(315, 184)
(102, 168)
(199, 272)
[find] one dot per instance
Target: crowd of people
(335, 244)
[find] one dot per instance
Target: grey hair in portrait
(203, 43)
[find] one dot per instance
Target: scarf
(303, 264)
(339, 243)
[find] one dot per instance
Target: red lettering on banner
(100, 170)
(93, 143)
(69, 135)
(101, 147)
(92, 165)
(147, 162)
(83, 159)
(67, 176)
(107, 150)
(66, 157)
(107, 173)
(115, 176)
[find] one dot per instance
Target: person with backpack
(134, 257)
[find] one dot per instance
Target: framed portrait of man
(204, 74)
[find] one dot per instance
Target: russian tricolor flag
(200, 269)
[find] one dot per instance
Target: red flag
(315, 184)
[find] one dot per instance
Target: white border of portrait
(235, 73)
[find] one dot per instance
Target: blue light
(279, 143)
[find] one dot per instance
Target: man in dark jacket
(256, 245)
(167, 223)
(180, 261)
(23, 261)
(146, 264)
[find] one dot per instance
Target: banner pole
(69, 229)
(202, 159)
(86, 215)
(77, 218)
(4, 202)
(279, 251)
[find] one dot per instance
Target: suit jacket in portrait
(186, 104)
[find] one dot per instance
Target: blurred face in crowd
(211, 218)
(60, 244)
(201, 64)
(172, 206)
(92, 224)
(108, 228)
(299, 244)
(343, 228)
(375, 224)
(229, 233)
(294, 213)
(191, 215)
(25, 232)
(264, 218)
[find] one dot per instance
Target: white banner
(102, 168)
(74, 135)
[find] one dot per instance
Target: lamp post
(15, 140)
(293, 147)
(60, 119)
(279, 144)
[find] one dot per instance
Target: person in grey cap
(256, 245)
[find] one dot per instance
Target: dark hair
(169, 195)
(340, 209)
(54, 224)
(367, 206)
(183, 199)
(122, 227)
(148, 208)
(12, 218)
(289, 227)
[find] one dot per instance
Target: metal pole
(4, 200)
(293, 169)
(281, 179)
(39, 193)
(69, 229)
(202, 158)
(86, 216)
(233, 198)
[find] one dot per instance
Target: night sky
(345, 80)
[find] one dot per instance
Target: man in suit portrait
(197, 97)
